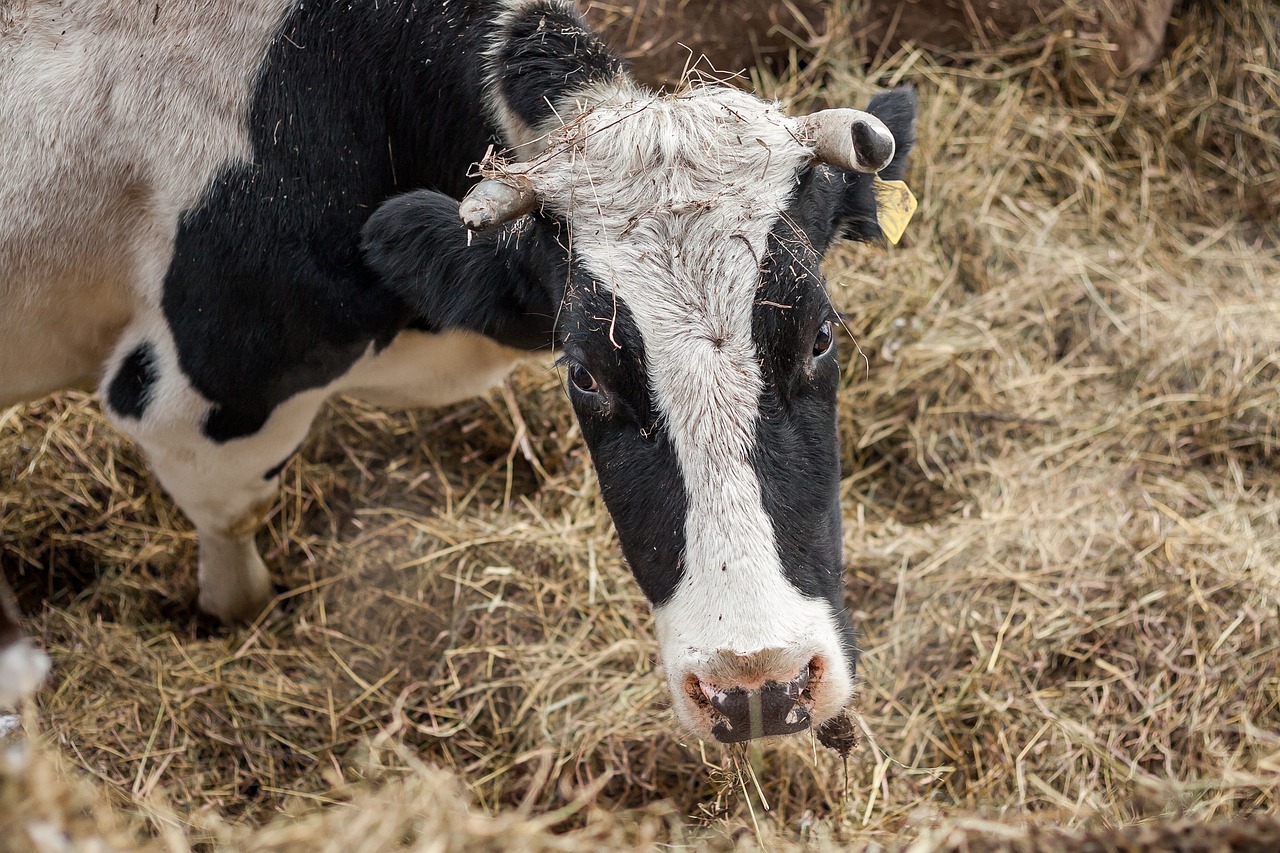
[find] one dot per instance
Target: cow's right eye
(823, 340)
(582, 379)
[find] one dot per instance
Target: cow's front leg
(227, 504)
(226, 488)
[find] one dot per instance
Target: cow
(221, 215)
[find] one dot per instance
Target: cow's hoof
(235, 586)
(22, 670)
(233, 605)
(277, 606)
(235, 609)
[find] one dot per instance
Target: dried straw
(1061, 439)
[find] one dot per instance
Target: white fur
(23, 668)
(670, 200)
(420, 369)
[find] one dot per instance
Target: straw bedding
(1061, 439)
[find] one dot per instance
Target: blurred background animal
(664, 38)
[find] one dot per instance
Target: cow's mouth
(738, 714)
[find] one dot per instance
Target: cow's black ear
(498, 283)
(833, 203)
(856, 217)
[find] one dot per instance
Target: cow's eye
(582, 379)
(823, 340)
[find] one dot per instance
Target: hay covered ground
(1061, 434)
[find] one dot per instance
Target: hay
(1061, 438)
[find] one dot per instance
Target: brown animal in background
(664, 37)
(1132, 30)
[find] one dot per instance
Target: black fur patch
(267, 294)
(640, 478)
(548, 52)
(130, 390)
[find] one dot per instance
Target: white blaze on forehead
(670, 201)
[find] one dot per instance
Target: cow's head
(671, 245)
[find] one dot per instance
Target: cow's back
(117, 114)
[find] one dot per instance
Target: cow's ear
(857, 214)
(834, 204)
(500, 284)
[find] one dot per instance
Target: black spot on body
(268, 293)
(129, 392)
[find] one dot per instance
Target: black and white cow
(222, 214)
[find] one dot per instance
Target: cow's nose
(771, 708)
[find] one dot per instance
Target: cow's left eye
(823, 340)
(582, 379)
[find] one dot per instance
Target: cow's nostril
(774, 708)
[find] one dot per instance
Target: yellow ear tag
(894, 207)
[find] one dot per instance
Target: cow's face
(680, 239)
(707, 397)
(699, 346)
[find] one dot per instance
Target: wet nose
(773, 708)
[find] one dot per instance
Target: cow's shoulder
(267, 294)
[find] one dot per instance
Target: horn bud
(848, 139)
(494, 202)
